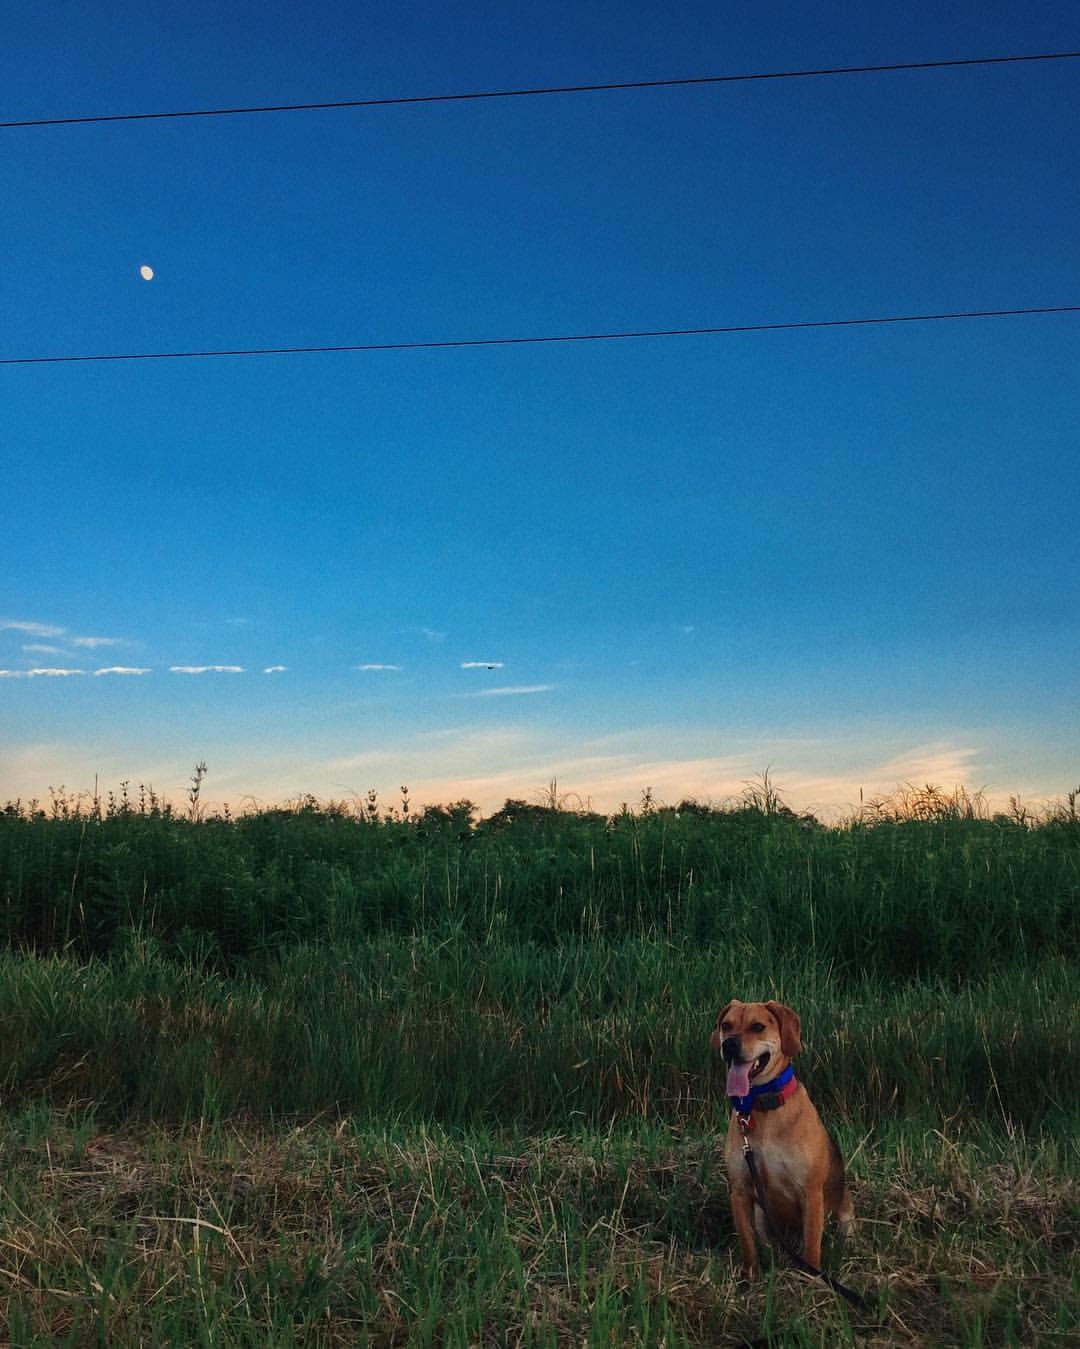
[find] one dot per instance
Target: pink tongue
(738, 1079)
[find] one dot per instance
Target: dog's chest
(783, 1167)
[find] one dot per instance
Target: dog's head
(757, 1040)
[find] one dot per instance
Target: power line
(552, 89)
(550, 339)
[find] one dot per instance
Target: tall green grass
(524, 1036)
(322, 1076)
(539, 966)
(944, 896)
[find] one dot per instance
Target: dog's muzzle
(732, 1050)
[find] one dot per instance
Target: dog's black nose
(731, 1048)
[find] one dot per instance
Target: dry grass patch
(335, 1235)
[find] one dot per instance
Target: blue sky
(846, 555)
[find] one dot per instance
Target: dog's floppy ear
(790, 1029)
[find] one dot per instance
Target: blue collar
(743, 1105)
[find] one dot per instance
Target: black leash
(796, 1259)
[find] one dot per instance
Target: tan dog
(801, 1170)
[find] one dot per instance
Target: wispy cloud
(481, 664)
(275, 669)
(441, 751)
(47, 673)
(206, 669)
(488, 763)
(57, 672)
(31, 629)
(42, 649)
(432, 635)
(818, 768)
(375, 666)
(519, 688)
(940, 763)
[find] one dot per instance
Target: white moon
(147, 273)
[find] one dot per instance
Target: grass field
(322, 1076)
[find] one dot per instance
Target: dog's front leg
(742, 1210)
(813, 1224)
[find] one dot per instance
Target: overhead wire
(537, 91)
(452, 343)
(549, 338)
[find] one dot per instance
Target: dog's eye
(725, 1025)
(757, 1027)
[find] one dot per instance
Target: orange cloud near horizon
(488, 765)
